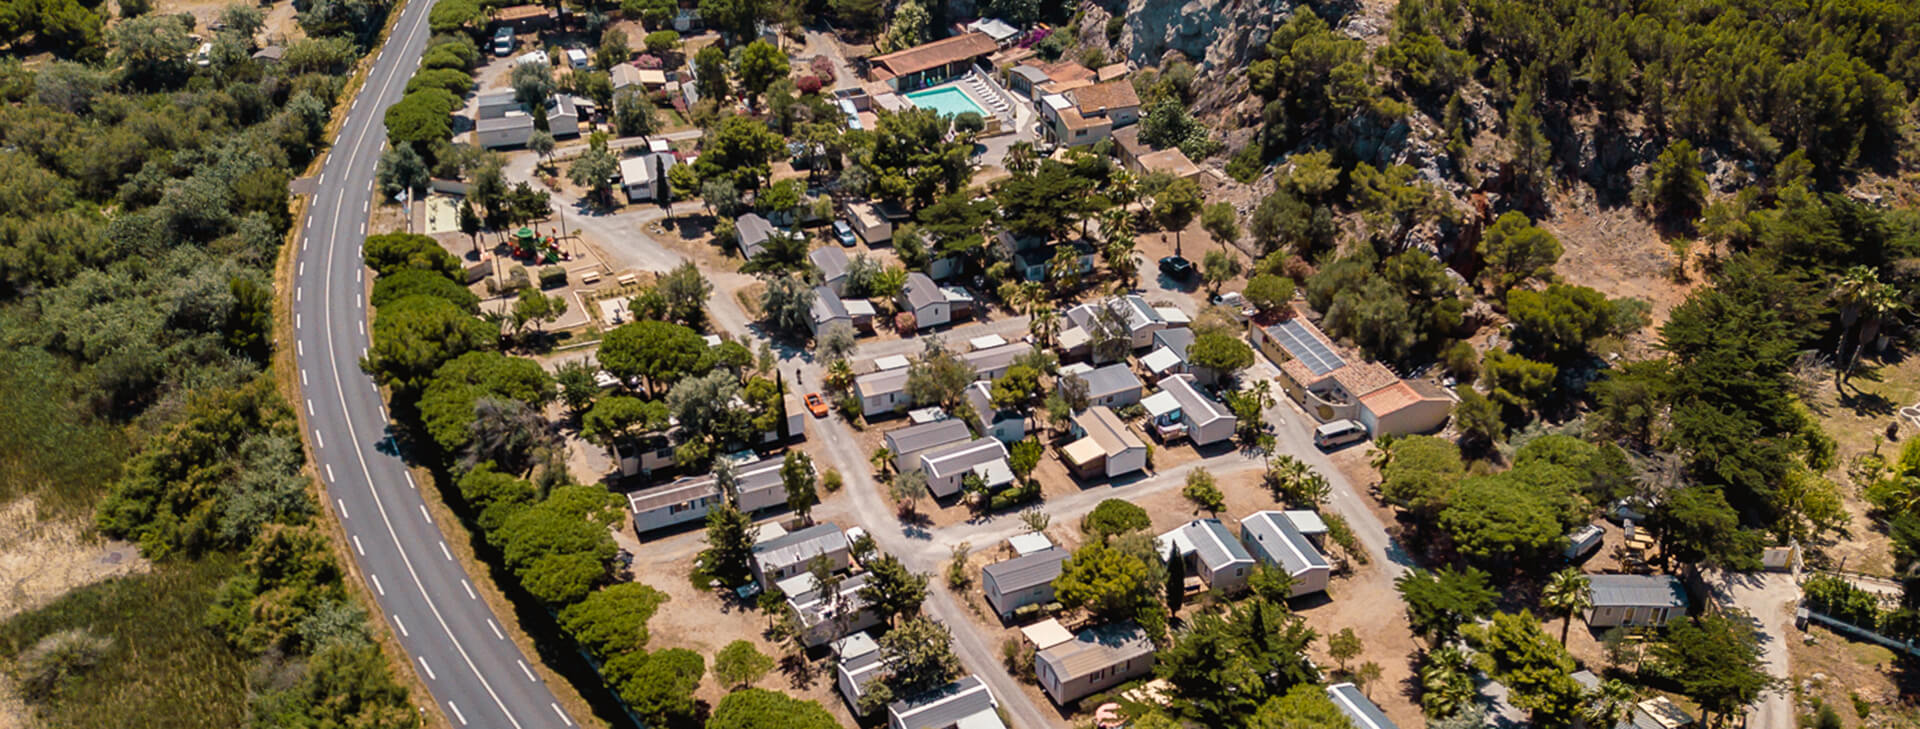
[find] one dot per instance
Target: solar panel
(1310, 350)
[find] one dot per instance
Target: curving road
(476, 676)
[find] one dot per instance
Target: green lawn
(162, 671)
(49, 449)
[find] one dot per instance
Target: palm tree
(1021, 158)
(1879, 303)
(1123, 189)
(1045, 325)
(1120, 259)
(1609, 702)
(882, 459)
(1116, 223)
(1849, 292)
(1446, 682)
(1566, 593)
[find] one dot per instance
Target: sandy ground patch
(1857, 418)
(1834, 669)
(42, 560)
(1617, 252)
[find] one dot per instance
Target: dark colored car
(1177, 268)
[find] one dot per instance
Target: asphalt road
(476, 676)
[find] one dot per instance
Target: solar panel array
(1310, 350)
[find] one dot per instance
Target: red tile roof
(934, 55)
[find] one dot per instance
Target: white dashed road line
(526, 670)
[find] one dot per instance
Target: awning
(1160, 404)
(1046, 634)
(1160, 360)
(1084, 451)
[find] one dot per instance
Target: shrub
(822, 67)
(808, 84)
(969, 122)
(1012, 497)
(553, 277)
(832, 480)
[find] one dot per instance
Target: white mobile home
(1274, 538)
(1207, 549)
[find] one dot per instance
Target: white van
(503, 41)
(1338, 433)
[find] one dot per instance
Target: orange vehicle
(816, 405)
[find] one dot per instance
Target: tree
(1500, 518)
(1044, 203)
(1117, 579)
(1421, 473)
(1023, 456)
(595, 170)
(892, 590)
(1221, 222)
(1223, 668)
(1176, 580)
(1532, 153)
(1536, 670)
(918, 655)
(1478, 418)
(1302, 707)
(939, 378)
(1446, 682)
(787, 304)
(613, 620)
(1269, 293)
(761, 63)
(654, 351)
(740, 148)
(1439, 602)
(1515, 382)
(1203, 493)
(1113, 517)
(1566, 593)
(1221, 352)
(1559, 322)
(421, 117)
(908, 488)
(907, 29)
(730, 538)
(401, 169)
(740, 664)
(1176, 205)
(1219, 267)
(710, 70)
(1516, 250)
(797, 475)
(1696, 525)
(412, 337)
(660, 688)
(537, 308)
(1344, 646)
(1676, 186)
(762, 709)
(685, 291)
(635, 116)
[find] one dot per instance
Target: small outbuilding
(1635, 600)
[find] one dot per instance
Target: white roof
(534, 57)
(1056, 101)
(1160, 403)
(1025, 544)
(858, 307)
(891, 362)
(1173, 315)
(1046, 634)
(637, 170)
(1308, 522)
(986, 342)
(995, 473)
(1160, 360)
(926, 415)
(662, 145)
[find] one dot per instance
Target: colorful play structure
(525, 243)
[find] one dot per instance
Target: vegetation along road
(456, 645)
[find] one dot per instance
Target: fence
(1851, 630)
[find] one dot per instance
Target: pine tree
(1176, 581)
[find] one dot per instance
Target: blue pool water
(948, 100)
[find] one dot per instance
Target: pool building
(929, 64)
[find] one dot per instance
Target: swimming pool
(948, 100)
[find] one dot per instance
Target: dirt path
(42, 560)
(1769, 597)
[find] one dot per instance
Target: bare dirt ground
(42, 560)
(1833, 670)
(1620, 254)
(1857, 420)
(703, 622)
(282, 21)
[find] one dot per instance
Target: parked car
(1338, 433)
(1177, 268)
(503, 42)
(843, 233)
(816, 405)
